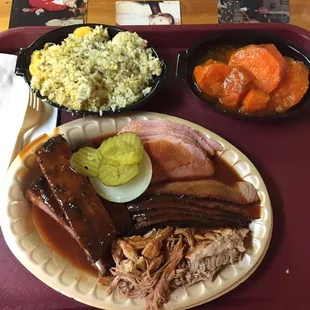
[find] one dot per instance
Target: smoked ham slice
(177, 152)
(173, 159)
(144, 128)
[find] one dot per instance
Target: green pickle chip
(114, 163)
(86, 161)
(125, 148)
(115, 175)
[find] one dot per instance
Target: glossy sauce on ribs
(78, 201)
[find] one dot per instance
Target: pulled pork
(153, 265)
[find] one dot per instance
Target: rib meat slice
(40, 194)
(82, 209)
(241, 193)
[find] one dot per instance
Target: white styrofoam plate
(26, 244)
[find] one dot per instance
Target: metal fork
(31, 118)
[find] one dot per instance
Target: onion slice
(130, 190)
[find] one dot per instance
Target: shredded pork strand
(170, 258)
(161, 291)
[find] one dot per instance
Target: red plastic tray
(279, 149)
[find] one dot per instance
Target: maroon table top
(279, 149)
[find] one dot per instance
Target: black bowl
(188, 59)
(58, 35)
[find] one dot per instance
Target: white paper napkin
(14, 95)
(14, 98)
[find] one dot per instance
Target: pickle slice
(115, 175)
(130, 190)
(86, 161)
(123, 149)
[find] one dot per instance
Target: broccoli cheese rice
(88, 71)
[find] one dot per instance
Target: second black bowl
(187, 60)
(57, 36)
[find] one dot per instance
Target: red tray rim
(20, 32)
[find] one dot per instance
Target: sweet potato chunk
(254, 101)
(209, 77)
(229, 53)
(264, 61)
(292, 87)
(199, 70)
(235, 87)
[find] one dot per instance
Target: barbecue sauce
(60, 241)
(224, 172)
